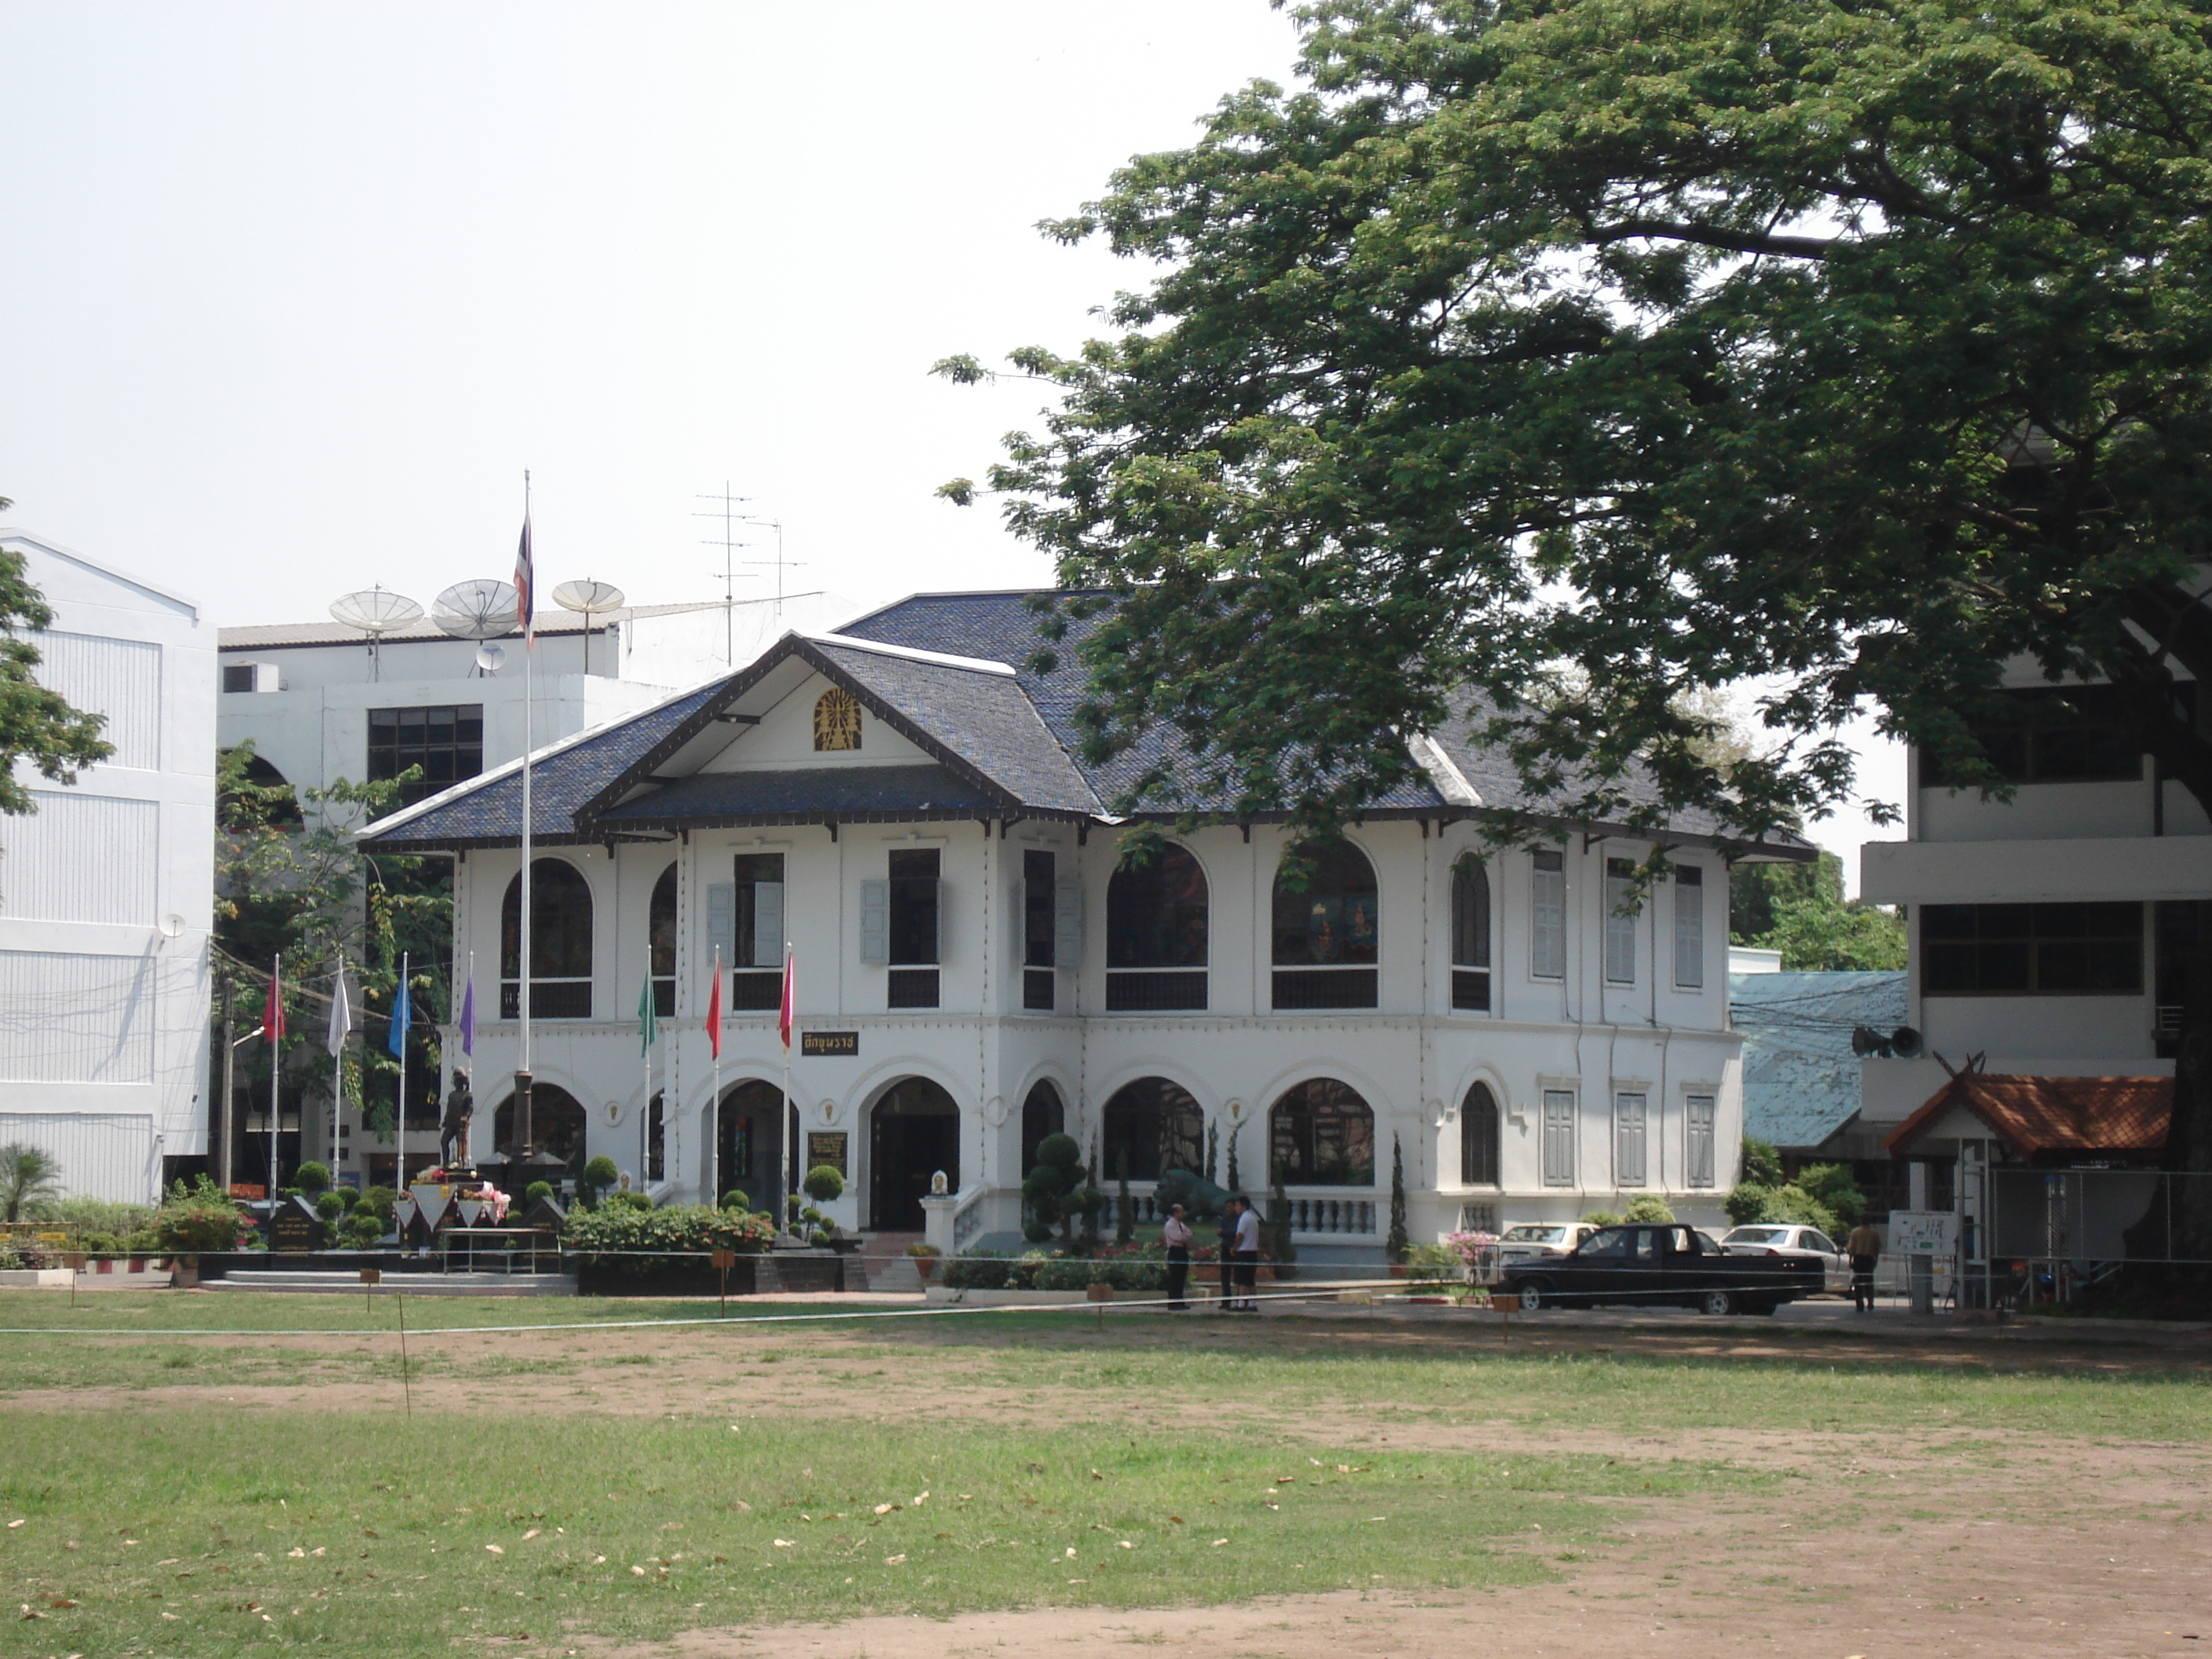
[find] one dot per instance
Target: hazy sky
(293, 292)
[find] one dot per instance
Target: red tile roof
(2034, 1114)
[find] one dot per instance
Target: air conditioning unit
(252, 676)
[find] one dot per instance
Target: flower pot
(1397, 1270)
(924, 1266)
(185, 1276)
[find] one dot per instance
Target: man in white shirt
(1248, 1256)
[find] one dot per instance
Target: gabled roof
(1801, 1077)
(951, 673)
(2100, 1115)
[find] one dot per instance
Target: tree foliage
(28, 1176)
(38, 727)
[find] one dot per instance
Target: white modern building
(106, 892)
(902, 803)
(2049, 936)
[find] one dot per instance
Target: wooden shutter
(1067, 923)
(768, 924)
(722, 920)
(875, 922)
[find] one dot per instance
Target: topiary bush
(633, 1201)
(599, 1176)
(1602, 1218)
(379, 1201)
(1054, 1189)
(823, 1184)
(311, 1178)
(1648, 1207)
(535, 1190)
(329, 1206)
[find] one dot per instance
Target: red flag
(790, 996)
(272, 1012)
(714, 1010)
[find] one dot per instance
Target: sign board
(725, 1260)
(293, 1229)
(372, 1275)
(830, 1044)
(827, 1146)
(1923, 1232)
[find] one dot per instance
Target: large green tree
(38, 727)
(1581, 354)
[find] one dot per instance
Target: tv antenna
(376, 613)
(729, 545)
(592, 598)
(479, 609)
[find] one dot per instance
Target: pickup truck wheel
(1717, 1303)
(1535, 1294)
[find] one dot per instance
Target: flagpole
(276, 1058)
(784, 1021)
(519, 1137)
(397, 1003)
(341, 1023)
(714, 1147)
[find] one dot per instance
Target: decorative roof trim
(911, 653)
(804, 647)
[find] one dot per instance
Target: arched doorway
(749, 1145)
(1156, 1125)
(557, 1132)
(1322, 1134)
(913, 1132)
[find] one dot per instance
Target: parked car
(1525, 1239)
(1638, 1265)
(1772, 1238)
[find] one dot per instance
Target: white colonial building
(902, 803)
(106, 891)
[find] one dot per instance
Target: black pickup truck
(1659, 1267)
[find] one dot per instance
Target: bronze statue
(460, 1107)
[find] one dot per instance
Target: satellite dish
(591, 598)
(1867, 1042)
(491, 658)
(373, 610)
(1905, 1042)
(480, 609)
(375, 613)
(588, 596)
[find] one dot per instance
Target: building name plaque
(825, 1045)
(827, 1146)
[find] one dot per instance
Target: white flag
(340, 1013)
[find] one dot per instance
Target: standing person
(1864, 1248)
(1227, 1252)
(1248, 1256)
(1176, 1234)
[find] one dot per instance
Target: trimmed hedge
(643, 1241)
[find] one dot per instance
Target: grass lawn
(182, 1495)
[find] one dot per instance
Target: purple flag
(469, 1018)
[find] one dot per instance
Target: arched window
(555, 1145)
(1470, 934)
(1158, 1125)
(1478, 1138)
(560, 943)
(660, 943)
(253, 795)
(656, 1139)
(1156, 934)
(836, 720)
(1327, 927)
(1322, 1134)
(1042, 1115)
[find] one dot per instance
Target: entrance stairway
(888, 1267)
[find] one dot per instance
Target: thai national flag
(525, 588)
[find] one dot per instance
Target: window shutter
(1067, 923)
(875, 922)
(768, 924)
(1690, 927)
(1547, 917)
(937, 912)
(1701, 1140)
(1559, 1148)
(722, 920)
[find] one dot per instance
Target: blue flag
(402, 1016)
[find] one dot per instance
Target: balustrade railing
(968, 1222)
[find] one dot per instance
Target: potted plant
(925, 1257)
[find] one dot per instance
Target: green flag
(648, 1021)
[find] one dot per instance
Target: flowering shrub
(1473, 1248)
(642, 1242)
(1125, 1266)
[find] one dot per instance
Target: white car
(1524, 1239)
(1775, 1238)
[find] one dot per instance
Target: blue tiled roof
(1800, 1079)
(807, 795)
